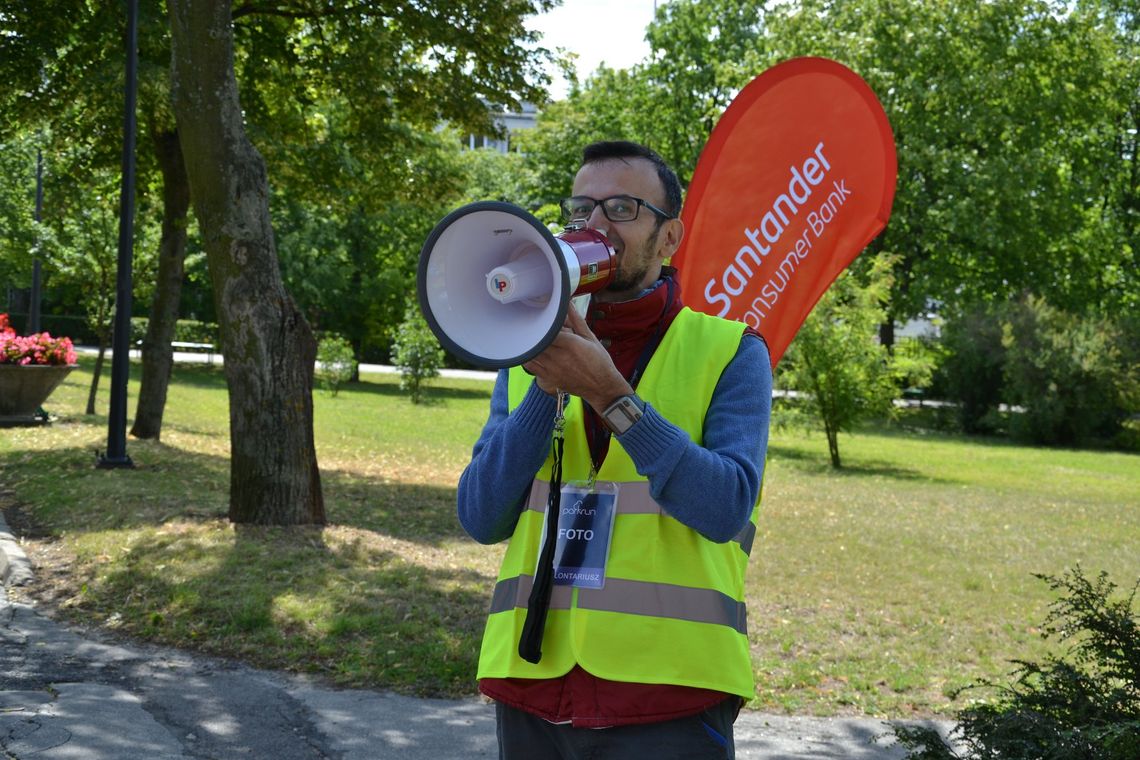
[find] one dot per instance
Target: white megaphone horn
(494, 284)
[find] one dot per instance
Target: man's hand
(577, 363)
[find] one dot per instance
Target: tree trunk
(887, 333)
(157, 355)
(269, 348)
(93, 391)
(833, 444)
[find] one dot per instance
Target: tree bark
(157, 355)
(269, 348)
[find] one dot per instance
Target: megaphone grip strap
(530, 642)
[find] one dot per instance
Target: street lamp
(116, 455)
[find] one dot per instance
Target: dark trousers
(523, 736)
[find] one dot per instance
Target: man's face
(641, 245)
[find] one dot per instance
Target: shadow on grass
(196, 375)
(300, 599)
(412, 512)
(168, 483)
(341, 602)
(820, 463)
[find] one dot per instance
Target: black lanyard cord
(530, 641)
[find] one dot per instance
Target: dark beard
(625, 280)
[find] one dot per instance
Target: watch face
(621, 414)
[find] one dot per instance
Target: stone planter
(24, 388)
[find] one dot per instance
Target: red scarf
(627, 329)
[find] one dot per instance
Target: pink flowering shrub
(40, 348)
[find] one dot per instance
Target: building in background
(510, 123)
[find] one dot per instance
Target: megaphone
(495, 284)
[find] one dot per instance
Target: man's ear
(669, 237)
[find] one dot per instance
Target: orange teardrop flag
(797, 178)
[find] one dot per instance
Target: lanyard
(530, 640)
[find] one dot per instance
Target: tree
(1072, 374)
(1007, 117)
(703, 53)
(835, 359)
(417, 353)
(1016, 125)
(425, 61)
(61, 65)
(267, 343)
(349, 256)
(17, 202)
(77, 237)
(336, 364)
(157, 352)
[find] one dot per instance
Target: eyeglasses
(617, 208)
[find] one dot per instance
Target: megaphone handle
(530, 641)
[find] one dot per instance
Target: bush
(971, 373)
(416, 353)
(336, 363)
(1074, 379)
(1084, 705)
(1069, 373)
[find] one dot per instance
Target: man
(666, 429)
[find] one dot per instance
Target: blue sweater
(710, 488)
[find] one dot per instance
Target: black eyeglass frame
(567, 216)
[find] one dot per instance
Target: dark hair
(622, 150)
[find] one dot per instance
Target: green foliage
(914, 362)
(76, 239)
(1072, 374)
(1083, 705)
(1012, 100)
(1014, 123)
(704, 52)
(344, 107)
(836, 361)
(18, 234)
(495, 176)
(971, 375)
(416, 353)
(336, 363)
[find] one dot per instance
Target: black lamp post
(116, 455)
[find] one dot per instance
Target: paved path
(71, 696)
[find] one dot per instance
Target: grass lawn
(875, 590)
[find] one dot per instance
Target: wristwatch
(623, 412)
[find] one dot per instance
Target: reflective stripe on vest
(664, 600)
(635, 500)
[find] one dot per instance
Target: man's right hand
(577, 363)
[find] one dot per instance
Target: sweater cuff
(535, 413)
(653, 441)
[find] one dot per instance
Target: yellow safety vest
(672, 609)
